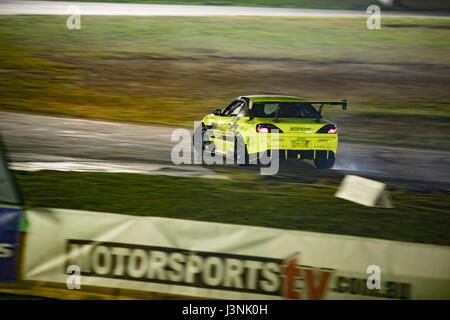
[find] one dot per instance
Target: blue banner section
(9, 239)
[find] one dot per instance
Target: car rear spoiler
(342, 103)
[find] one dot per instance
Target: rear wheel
(240, 151)
(322, 162)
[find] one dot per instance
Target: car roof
(260, 98)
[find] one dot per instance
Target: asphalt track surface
(41, 139)
(11, 7)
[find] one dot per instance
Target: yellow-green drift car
(243, 130)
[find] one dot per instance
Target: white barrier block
(387, 2)
(364, 191)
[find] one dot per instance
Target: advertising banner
(224, 261)
(9, 239)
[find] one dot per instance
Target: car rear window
(287, 110)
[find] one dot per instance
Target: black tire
(240, 153)
(199, 146)
(322, 162)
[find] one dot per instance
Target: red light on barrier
(332, 130)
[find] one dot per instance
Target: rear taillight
(267, 128)
(329, 128)
(332, 130)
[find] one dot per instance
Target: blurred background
(166, 72)
(173, 70)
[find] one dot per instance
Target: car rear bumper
(293, 154)
(295, 144)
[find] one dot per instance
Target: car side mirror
(217, 112)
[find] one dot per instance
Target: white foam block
(364, 191)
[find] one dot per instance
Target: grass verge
(11, 296)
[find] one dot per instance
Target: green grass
(413, 5)
(417, 217)
(170, 70)
(10, 296)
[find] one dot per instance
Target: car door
(219, 126)
(224, 124)
(230, 123)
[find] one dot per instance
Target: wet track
(45, 139)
